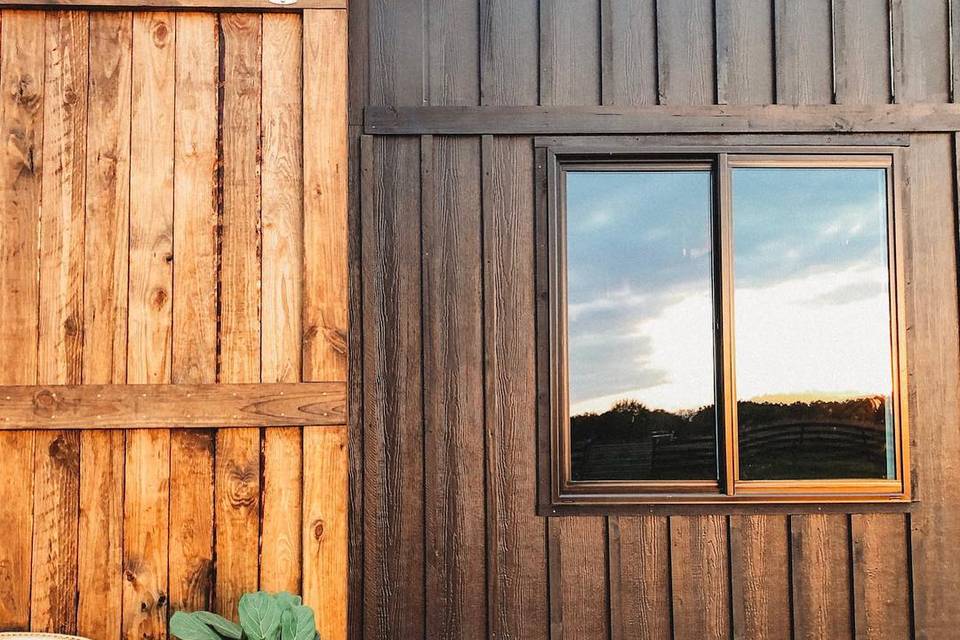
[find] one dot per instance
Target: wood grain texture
(822, 591)
(516, 542)
(640, 577)
(760, 576)
(167, 406)
(325, 196)
(106, 236)
(453, 61)
(685, 58)
(398, 73)
(861, 36)
(920, 37)
(804, 58)
(509, 53)
(881, 576)
(56, 484)
(325, 499)
(453, 387)
(629, 51)
(935, 404)
(569, 53)
(393, 435)
(21, 117)
(250, 5)
(579, 591)
(700, 577)
(745, 52)
(281, 295)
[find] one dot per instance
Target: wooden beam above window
(607, 120)
(165, 406)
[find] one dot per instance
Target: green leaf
(298, 624)
(188, 626)
(226, 628)
(259, 615)
(288, 600)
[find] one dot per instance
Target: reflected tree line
(820, 439)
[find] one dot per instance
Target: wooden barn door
(173, 313)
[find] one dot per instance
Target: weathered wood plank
(509, 54)
(56, 483)
(451, 231)
(629, 52)
(454, 60)
(804, 51)
(569, 53)
(281, 294)
(325, 312)
(251, 5)
(935, 401)
(700, 577)
(105, 320)
(760, 576)
(663, 119)
(920, 39)
(642, 570)
(745, 52)
(685, 52)
(183, 405)
(579, 593)
(325, 196)
(822, 591)
(861, 45)
(21, 113)
(393, 434)
(881, 576)
(149, 330)
(398, 74)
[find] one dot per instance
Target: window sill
(711, 505)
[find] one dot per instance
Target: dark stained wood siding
(448, 544)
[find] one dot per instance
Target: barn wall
(173, 201)
(446, 542)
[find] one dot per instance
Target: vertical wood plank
(451, 229)
(56, 484)
(861, 44)
(325, 312)
(21, 118)
(453, 28)
(700, 576)
(685, 47)
(935, 403)
(821, 592)
(393, 434)
(881, 576)
(570, 53)
(760, 576)
(398, 74)
(629, 52)
(194, 305)
(282, 294)
(509, 58)
(237, 464)
(803, 51)
(578, 580)
(516, 543)
(642, 545)
(105, 319)
(921, 65)
(745, 52)
(146, 494)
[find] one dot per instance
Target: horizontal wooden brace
(156, 5)
(166, 406)
(662, 119)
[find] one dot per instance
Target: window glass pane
(639, 309)
(812, 323)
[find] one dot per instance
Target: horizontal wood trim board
(152, 5)
(146, 406)
(662, 119)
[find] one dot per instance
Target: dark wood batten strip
(165, 406)
(605, 120)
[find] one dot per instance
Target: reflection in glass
(812, 323)
(639, 310)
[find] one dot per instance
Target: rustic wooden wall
(446, 542)
(173, 192)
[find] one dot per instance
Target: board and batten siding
(446, 542)
(174, 211)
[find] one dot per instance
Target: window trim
(556, 487)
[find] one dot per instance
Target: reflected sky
(812, 315)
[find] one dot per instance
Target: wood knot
(71, 327)
(160, 298)
(161, 33)
(64, 451)
(242, 490)
(318, 528)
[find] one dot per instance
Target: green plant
(263, 616)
